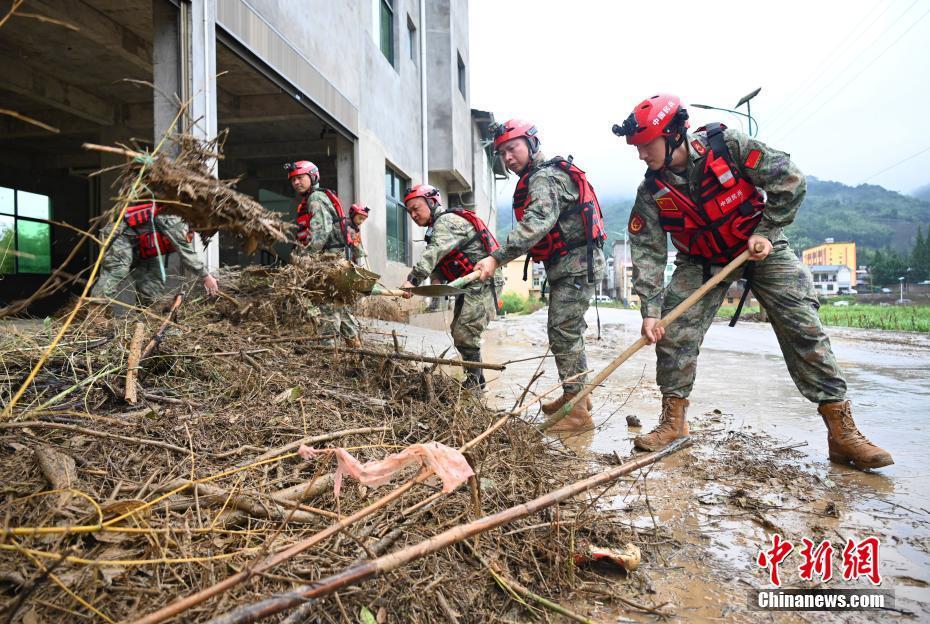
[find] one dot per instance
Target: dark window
(397, 238)
(412, 39)
(387, 30)
(25, 240)
(461, 75)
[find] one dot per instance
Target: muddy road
(758, 464)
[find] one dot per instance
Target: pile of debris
(111, 509)
(181, 180)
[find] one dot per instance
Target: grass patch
(515, 304)
(863, 316)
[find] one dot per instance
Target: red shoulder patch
(698, 147)
(753, 159)
(636, 223)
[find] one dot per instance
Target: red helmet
(513, 129)
(358, 209)
(427, 192)
(660, 115)
(303, 166)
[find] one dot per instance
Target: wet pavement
(742, 376)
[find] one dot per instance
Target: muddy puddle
(757, 466)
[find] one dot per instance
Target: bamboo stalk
(356, 573)
(132, 364)
(413, 358)
(680, 309)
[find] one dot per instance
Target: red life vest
(553, 245)
(730, 208)
(456, 263)
(304, 216)
(149, 241)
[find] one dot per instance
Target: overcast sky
(845, 85)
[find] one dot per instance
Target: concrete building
(375, 92)
(833, 279)
(832, 253)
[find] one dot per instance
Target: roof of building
(827, 268)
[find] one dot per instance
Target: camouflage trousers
(334, 320)
(118, 264)
(785, 289)
(569, 298)
(473, 311)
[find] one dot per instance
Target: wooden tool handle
(380, 291)
(465, 280)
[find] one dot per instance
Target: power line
(812, 99)
(900, 162)
(814, 75)
(859, 73)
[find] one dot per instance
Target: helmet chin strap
(673, 144)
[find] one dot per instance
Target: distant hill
(871, 215)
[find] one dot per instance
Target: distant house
(513, 278)
(831, 253)
(831, 279)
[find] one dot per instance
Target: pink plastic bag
(447, 463)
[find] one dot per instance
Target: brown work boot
(673, 424)
(551, 407)
(354, 342)
(579, 419)
(846, 442)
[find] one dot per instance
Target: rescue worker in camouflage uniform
(455, 241)
(703, 188)
(553, 228)
(140, 248)
(358, 214)
(322, 227)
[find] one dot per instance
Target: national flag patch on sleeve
(753, 159)
(636, 223)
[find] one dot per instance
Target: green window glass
(397, 238)
(387, 30)
(25, 237)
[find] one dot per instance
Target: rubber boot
(579, 419)
(355, 342)
(673, 424)
(551, 407)
(846, 443)
(474, 377)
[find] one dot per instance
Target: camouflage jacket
(551, 191)
(357, 247)
(783, 183)
(175, 228)
(447, 232)
(325, 231)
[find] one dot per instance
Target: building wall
(833, 254)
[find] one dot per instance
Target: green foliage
(899, 318)
(515, 304)
(872, 216)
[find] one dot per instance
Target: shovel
(680, 309)
(432, 290)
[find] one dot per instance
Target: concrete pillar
(345, 171)
(199, 64)
(166, 69)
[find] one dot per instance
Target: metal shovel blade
(358, 279)
(435, 290)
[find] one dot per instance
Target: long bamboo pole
(392, 561)
(680, 309)
(412, 357)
